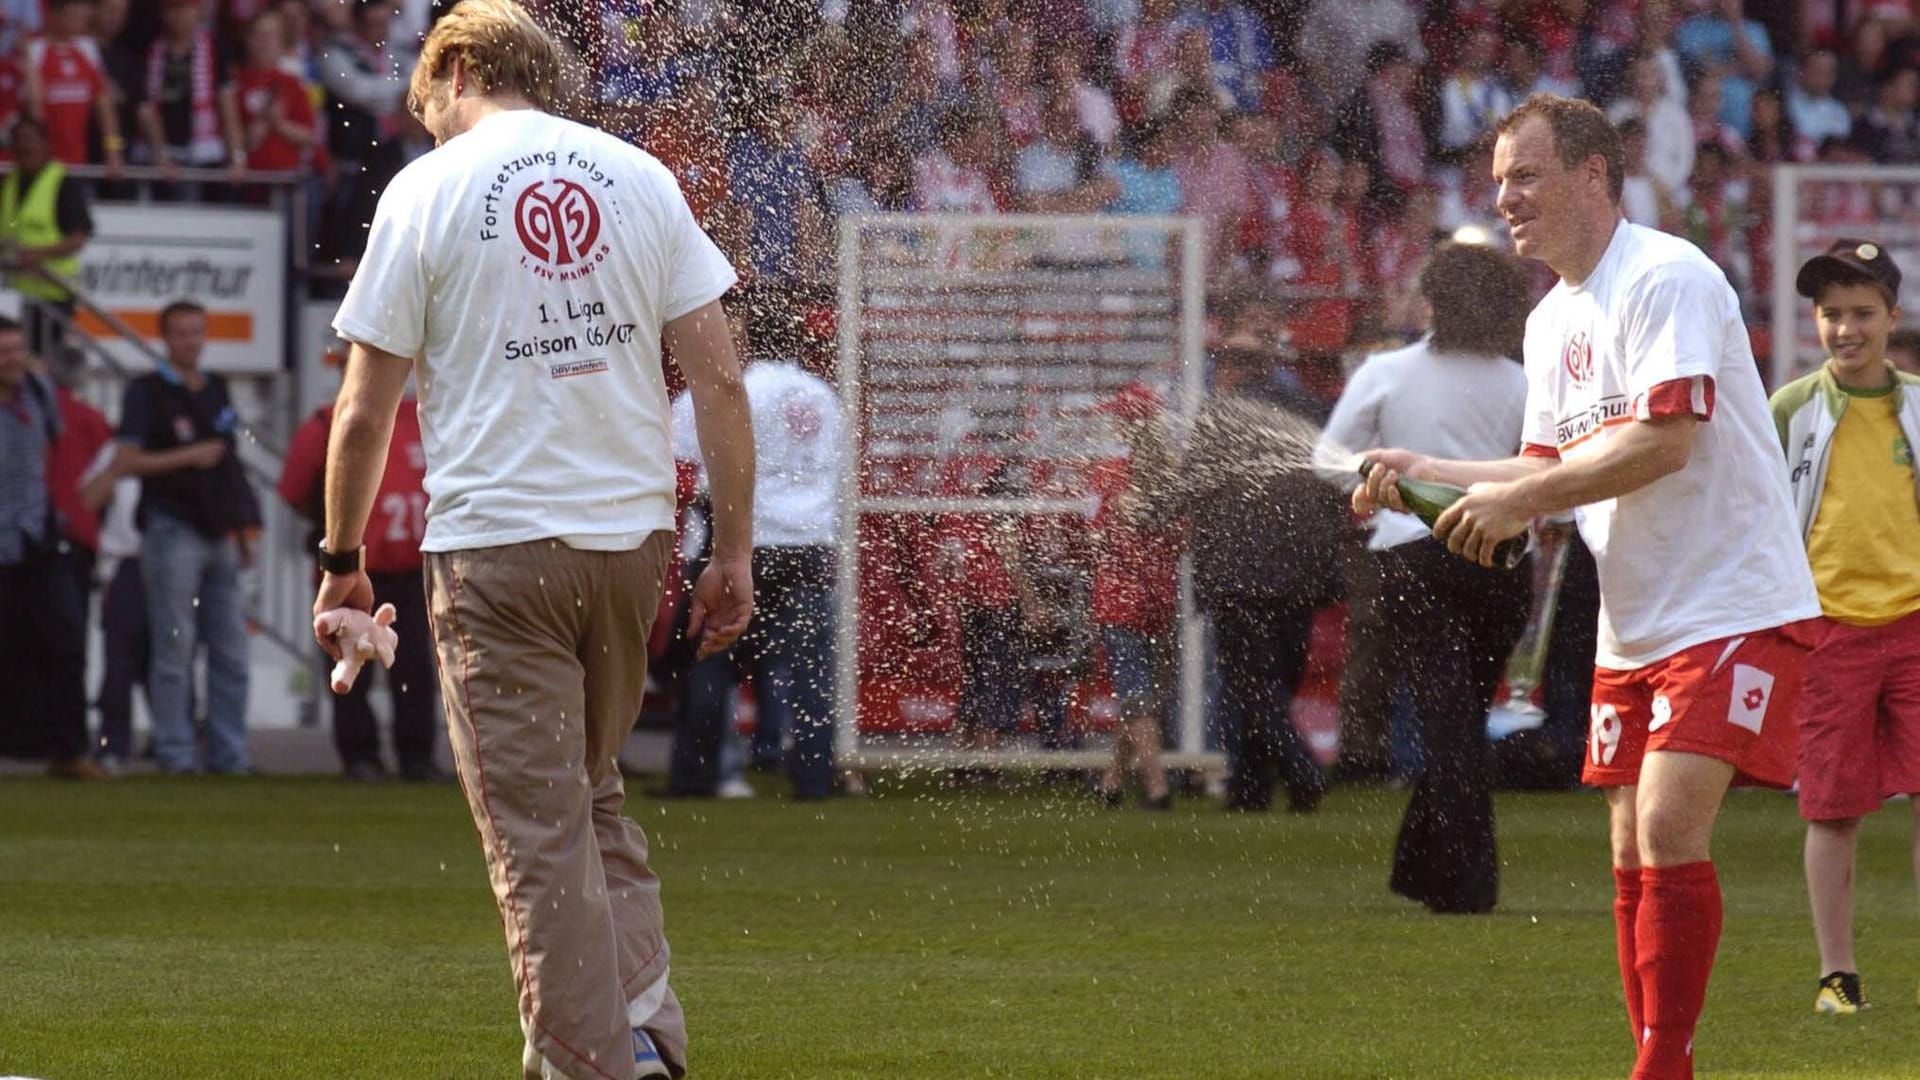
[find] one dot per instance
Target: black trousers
(410, 682)
(123, 631)
(1262, 645)
(43, 658)
(1452, 626)
(1368, 678)
(46, 325)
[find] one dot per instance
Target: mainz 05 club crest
(558, 221)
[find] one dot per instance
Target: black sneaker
(1840, 994)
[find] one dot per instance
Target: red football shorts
(1860, 719)
(1734, 699)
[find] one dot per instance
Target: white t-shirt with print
(1708, 552)
(799, 441)
(528, 265)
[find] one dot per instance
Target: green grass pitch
(156, 930)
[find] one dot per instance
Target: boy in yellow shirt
(1849, 432)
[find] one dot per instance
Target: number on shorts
(1606, 734)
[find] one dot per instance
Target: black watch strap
(341, 562)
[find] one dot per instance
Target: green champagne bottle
(1428, 500)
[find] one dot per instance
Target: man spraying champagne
(1646, 416)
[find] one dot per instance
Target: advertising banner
(233, 260)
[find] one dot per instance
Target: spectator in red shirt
(681, 133)
(1066, 68)
(1276, 188)
(1135, 594)
(980, 565)
(83, 431)
(274, 113)
(1380, 126)
(393, 562)
(958, 176)
(1016, 86)
(42, 614)
(67, 85)
(1714, 217)
(13, 86)
(1143, 57)
(1399, 248)
(1324, 243)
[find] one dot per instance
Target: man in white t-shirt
(799, 434)
(526, 271)
(1646, 416)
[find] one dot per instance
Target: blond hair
(500, 46)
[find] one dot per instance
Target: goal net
(1814, 205)
(974, 353)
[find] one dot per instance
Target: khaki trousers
(543, 661)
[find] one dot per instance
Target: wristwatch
(341, 562)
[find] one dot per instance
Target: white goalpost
(983, 344)
(1814, 205)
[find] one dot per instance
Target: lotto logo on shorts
(1752, 689)
(1605, 740)
(1662, 713)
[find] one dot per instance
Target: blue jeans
(788, 650)
(193, 600)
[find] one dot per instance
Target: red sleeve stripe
(1691, 396)
(1534, 449)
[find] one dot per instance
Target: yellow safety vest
(35, 223)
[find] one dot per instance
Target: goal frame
(1189, 750)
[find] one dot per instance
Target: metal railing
(286, 192)
(279, 599)
(280, 586)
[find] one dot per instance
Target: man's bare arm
(357, 442)
(1497, 471)
(1639, 454)
(703, 346)
(1388, 466)
(722, 601)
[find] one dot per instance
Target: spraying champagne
(1428, 500)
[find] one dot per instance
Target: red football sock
(1626, 910)
(1676, 934)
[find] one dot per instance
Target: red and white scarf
(206, 145)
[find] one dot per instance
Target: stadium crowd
(1327, 145)
(1323, 141)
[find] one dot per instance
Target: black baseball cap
(1849, 260)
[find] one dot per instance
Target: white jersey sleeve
(1668, 334)
(386, 305)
